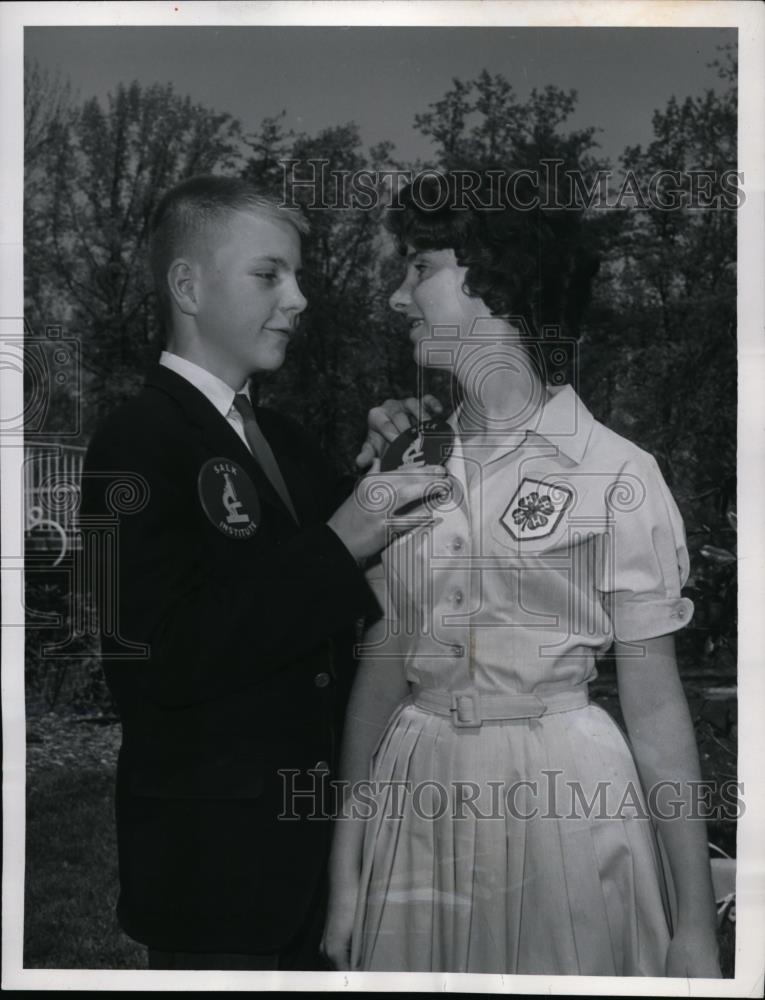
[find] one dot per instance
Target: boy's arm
(664, 744)
(213, 623)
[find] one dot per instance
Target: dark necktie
(261, 450)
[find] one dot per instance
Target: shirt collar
(564, 421)
(219, 393)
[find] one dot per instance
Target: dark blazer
(238, 678)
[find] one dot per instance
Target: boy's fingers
(432, 404)
(381, 420)
(398, 412)
(366, 455)
(419, 489)
(402, 421)
(426, 472)
(411, 482)
(412, 405)
(423, 409)
(372, 447)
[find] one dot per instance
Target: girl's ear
(182, 286)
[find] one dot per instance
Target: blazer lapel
(292, 464)
(216, 432)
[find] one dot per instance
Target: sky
(381, 77)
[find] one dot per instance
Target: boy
(233, 576)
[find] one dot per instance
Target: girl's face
(441, 315)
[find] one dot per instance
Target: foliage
(482, 125)
(657, 351)
(483, 122)
(73, 681)
(86, 225)
(351, 350)
(659, 347)
(71, 855)
(343, 355)
(657, 342)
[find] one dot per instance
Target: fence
(52, 474)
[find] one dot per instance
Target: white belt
(472, 708)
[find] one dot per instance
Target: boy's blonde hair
(188, 212)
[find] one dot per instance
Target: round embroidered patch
(429, 444)
(229, 498)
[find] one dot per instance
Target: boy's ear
(182, 286)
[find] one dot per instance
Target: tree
(482, 125)
(341, 358)
(676, 286)
(660, 341)
(48, 114)
(86, 228)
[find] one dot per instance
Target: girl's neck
(501, 392)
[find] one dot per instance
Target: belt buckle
(458, 709)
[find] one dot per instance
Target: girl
(507, 825)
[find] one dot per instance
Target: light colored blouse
(563, 537)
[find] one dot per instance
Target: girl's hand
(338, 929)
(693, 954)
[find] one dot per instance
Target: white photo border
(750, 905)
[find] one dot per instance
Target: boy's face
(248, 298)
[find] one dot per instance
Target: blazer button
(322, 680)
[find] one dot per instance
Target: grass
(71, 870)
(71, 875)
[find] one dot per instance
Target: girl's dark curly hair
(521, 261)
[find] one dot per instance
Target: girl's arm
(378, 688)
(663, 741)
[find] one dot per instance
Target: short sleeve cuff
(635, 620)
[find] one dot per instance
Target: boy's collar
(219, 393)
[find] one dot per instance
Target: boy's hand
(386, 422)
(366, 522)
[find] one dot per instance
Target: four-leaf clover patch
(536, 509)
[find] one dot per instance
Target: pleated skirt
(521, 846)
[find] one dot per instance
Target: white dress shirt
(220, 393)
